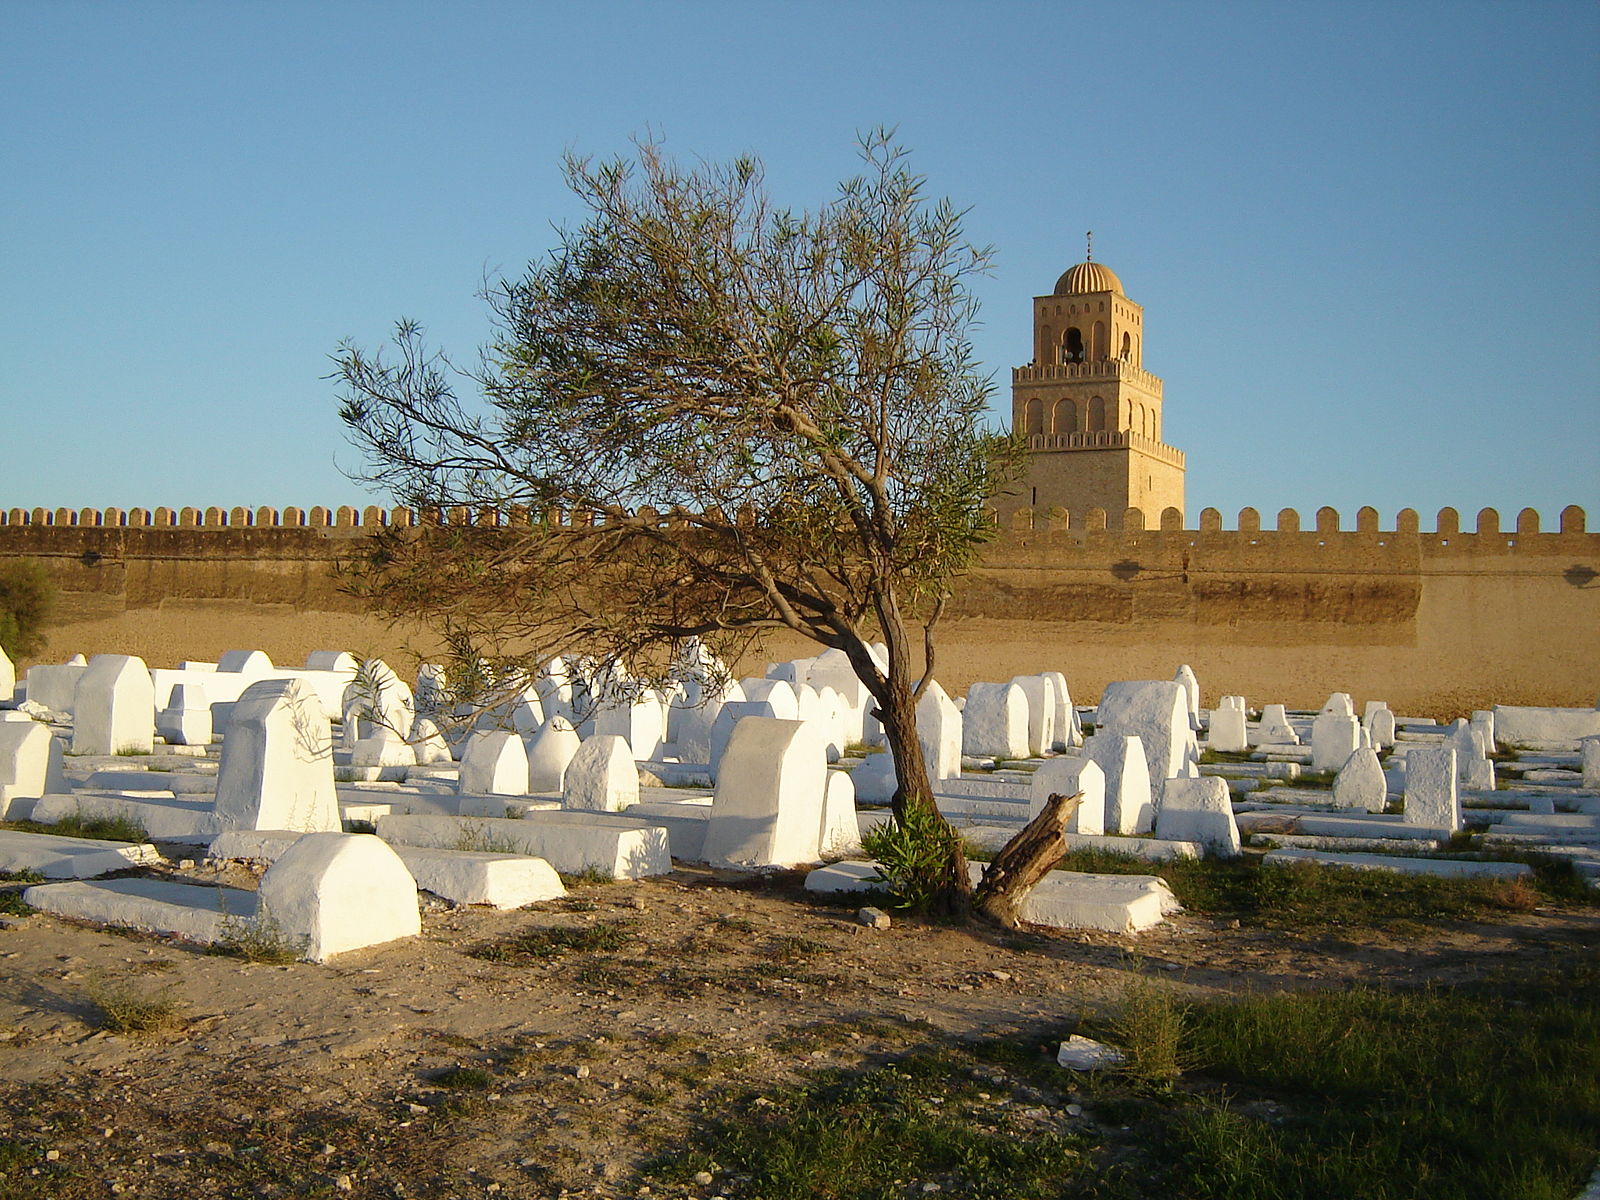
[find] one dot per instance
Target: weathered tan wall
(1433, 622)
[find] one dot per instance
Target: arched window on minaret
(1065, 418)
(1033, 416)
(1100, 351)
(1127, 348)
(1072, 345)
(1097, 414)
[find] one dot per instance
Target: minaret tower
(1091, 412)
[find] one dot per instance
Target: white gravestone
(841, 831)
(1361, 783)
(640, 721)
(276, 770)
(1041, 713)
(1226, 732)
(1199, 810)
(875, 780)
(1381, 729)
(602, 776)
(1157, 713)
(1590, 749)
(1130, 808)
(939, 724)
(335, 892)
(114, 707)
(768, 806)
(729, 715)
(24, 762)
(1431, 795)
(1068, 777)
(1069, 730)
(549, 752)
(1191, 693)
(1275, 729)
(995, 721)
(495, 763)
(186, 720)
(1335, 736)
(428, 743)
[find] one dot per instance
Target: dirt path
(289, 1079)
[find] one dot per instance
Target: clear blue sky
(1366, 236)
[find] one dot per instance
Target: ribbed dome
(1089, 277)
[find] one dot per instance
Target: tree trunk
(898, 713)
(1025, 860)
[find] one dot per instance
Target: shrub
(26, 598)
(912, 856)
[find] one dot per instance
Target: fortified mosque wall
(1434, 622)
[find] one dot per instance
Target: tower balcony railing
(1105, 368)
(1107, 439)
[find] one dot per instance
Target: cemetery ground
(1296, 1031)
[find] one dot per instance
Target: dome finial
(1088, 254)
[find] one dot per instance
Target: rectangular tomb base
(70, 858)
(1451, 868)
(1062, 899)
(167, 819)
(571, 842)
(200, 914)
(993, 837)
(459, 876)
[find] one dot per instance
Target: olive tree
(709, 416)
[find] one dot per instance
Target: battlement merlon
(1103, 369)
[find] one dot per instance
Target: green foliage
(1149, 1028)
(26, 599)
(799, 390)
(1487, 1092)
(913, 854)
(102, 828)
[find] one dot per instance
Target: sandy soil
(284, 1079)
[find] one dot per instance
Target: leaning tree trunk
(1025, 860)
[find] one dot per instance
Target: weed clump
(1150, 1027)
(260, 939)
(539, 944)
(101, 828)
(123, 1007)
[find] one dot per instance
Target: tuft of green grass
(480, 839)
(590, 876)
(539, 944)
(260, 939)
(469, 1079)
(1149, 1027)
(107, 829)
(124, 1007)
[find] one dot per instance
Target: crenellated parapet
(1446, 523)
(1326, 521)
